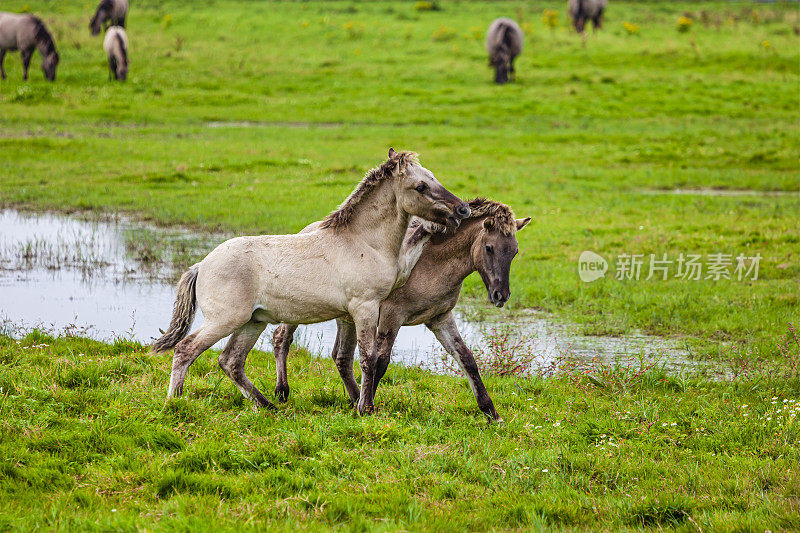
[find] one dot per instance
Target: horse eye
(421, 187)
(489, 249)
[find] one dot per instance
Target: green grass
(575, 143)
(580, 143)
(87, 443)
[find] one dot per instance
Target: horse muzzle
(499, 297)
(459, 213)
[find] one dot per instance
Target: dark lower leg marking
(281, 343)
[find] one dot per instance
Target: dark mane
(104, 5)
(43, 37)
(501, 215)
(341, 216)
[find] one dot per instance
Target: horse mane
(42, 36)
(340, 218)
(104, 6)
(501, 216)
(108, 5)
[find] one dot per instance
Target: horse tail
(498, 37)
(182, 312)
(581, 8)
(122, 48)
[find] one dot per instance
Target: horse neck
(457, 250)
(45, 46)
(379, 221)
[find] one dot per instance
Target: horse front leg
(2, 60)
(26, 56)
(389, 324)
(411, 249)
(446, 331)
(281, 342)
(365, 317)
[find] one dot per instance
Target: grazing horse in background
(24, 33)
(345, 268)
(583, 10)
(109, 10)
(485, 242)
(116, 46)
(504, 43)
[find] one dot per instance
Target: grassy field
(87, 443)
(253, 117)
(581, 142)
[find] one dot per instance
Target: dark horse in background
(24, 33)
(583, 10)
(114, 11)
(504, 43)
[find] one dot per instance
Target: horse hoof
(282, 394)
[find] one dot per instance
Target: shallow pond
(107, 278)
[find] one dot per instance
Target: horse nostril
(463, 211)
(497, 297)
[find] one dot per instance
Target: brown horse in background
(24, 33)
(114, 11)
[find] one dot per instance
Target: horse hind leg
(597, 21)
(233, 358)
(446, 331)
(2, 60)
(188, 350)
(281, 342)
(343, 355)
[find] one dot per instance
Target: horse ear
(392, 153)
(522, 222)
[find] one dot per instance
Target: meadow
(88, 444)
(247, 117)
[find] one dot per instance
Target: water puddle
(116, 278)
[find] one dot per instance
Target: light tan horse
(345, 268)
(24, 33)
(485, 242)
(115, 45)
